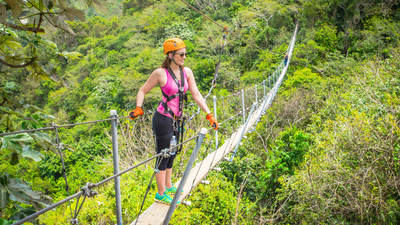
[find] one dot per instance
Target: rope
(47, 209)
(78, 194)
(59, 126)
(87, 189)
(26, 131)
(207, 17)
(213, 82)
(74, 219)
(60, 147)
(54, 127)
(141, 163)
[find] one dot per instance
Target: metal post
(264, 88)
(255, 87)
(243, 107)
(215, 115)
(185, 175)
(114, 117)
(269, 81)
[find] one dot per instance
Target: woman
(174, 80)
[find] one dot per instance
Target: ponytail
(166, 63)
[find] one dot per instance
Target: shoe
(165, 199)
(171, 191)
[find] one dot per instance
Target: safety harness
(179, 121)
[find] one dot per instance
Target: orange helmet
(173, 44)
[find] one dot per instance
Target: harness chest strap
(180, 94)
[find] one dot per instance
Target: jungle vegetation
(326, 152)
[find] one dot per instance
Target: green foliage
(309, 53)
(245, 167)
(20, 44)
(270, 60)
(180, 30)
(15, 190)
(348, 106)
(130, 6)
(25, 145)
(6, 222)
(214, 204)
(350, 153)
(378, 37)
(204, 70)
(326, 37)
(287, 154)
(303, 78)
(350, 21)
(251, 76)
(100, 209)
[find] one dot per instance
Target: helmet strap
(172, 59)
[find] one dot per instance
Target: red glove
(138, 111)
(213, 121)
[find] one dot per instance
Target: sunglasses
(182, 54)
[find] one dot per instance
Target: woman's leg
(168, 174)
(163, 130)
(160, 178)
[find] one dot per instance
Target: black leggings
(163, 130)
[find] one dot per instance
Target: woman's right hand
(138, 111)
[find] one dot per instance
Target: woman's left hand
(213, 121)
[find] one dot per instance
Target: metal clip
(165, 153)
(60, 146)
(87, 190)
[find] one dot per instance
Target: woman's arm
(153, 80)
(197, 97)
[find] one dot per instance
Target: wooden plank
(155, 214)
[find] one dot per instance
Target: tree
(23, 21)
(23, 24)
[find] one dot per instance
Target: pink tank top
(170, 88)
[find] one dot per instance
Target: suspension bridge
(194, 173)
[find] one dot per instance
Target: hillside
(327, 152)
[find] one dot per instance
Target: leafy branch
(18, 66)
